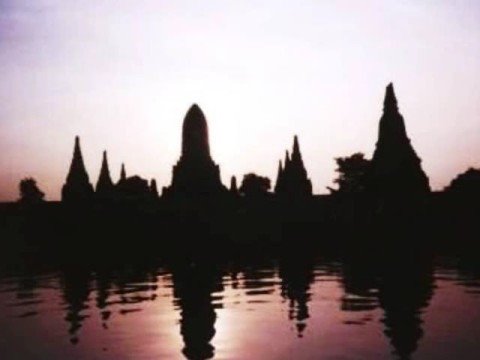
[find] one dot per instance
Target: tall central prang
(195, 144)
(195, 173)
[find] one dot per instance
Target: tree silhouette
(29, 191)
(467, 183)
(352, 171)
(254, 185)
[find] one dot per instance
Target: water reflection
(360, 284)
(193, 288)
(297, 274)
(402, 287)
(403, 296)
(76, 288)
(326, 302)
(27, 296)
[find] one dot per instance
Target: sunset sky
(122, 74)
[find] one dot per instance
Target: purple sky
(122, 74)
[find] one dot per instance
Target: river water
(278, 309)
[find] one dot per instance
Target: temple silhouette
(105, 188)
(195, 174)
(390, 190)
(394, 173)
(77, 187)
(380, 224)
(292, 179)
(395, 169)
(192, 290)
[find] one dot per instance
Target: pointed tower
(233, 185)
(287, 160)
(296, 156)
(77, 187)
(285, 178)
(294, 181)
(123, 173)
(300, 185)
(153, 188)
(278, 183)
(195, 144)
(195, 174)
(396, 169)
(104, 187)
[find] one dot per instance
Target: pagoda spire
(104, 183)
(390, 102)
(154, 189)
(278, 183)
(392, 126)
(296, 155)
(296, 147)
(280, 169)
(77, 166)
(123, 173)
(233, 185)
(292, 179)
(287, 160)
(77, 186)
(396, 170)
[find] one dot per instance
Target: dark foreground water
(285, 309)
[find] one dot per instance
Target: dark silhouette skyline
(389, 191)
(198, 250)
(394, 173)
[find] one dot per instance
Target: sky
(122, 74)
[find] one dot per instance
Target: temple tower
(292, 178)
(77, 187)
(195, 144)
(104, 187)
(154, 189)
(396, 169)
(195, 173)
(123, 173)
(233, 185)
(278, 183)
